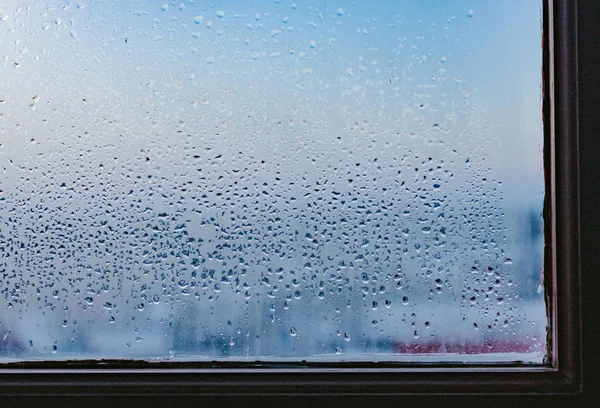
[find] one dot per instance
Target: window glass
(272, 180)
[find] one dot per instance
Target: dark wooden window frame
(571, 77)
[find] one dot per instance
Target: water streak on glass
(271, 180)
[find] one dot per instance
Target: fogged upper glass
(270, 180)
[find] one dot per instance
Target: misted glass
(272, 180)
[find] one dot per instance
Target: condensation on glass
(270, 180)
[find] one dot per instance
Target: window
(258, 164)
(530, 380)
